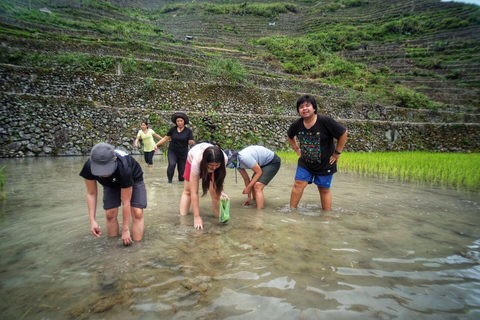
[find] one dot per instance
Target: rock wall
(36, 126)
(193, 96)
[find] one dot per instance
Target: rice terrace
(402, 240)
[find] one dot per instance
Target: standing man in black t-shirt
(181, 137)
(122, 179)
(317, 152)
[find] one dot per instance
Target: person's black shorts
(112, 196)
(270, 170)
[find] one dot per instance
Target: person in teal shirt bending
(265, 165)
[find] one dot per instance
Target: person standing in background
(181, 137)
(149, 147)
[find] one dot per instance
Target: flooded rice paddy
(387, 250)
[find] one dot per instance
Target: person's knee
(111, 214)
(324, 191)
(258, 187)
(299, 185)
(137, 214)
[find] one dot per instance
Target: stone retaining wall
(156, 94)
(61, 126)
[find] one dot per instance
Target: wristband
(337, 152)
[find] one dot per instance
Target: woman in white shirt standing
(149, 146)
(206, 162)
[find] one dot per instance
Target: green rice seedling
(453, 170)
(459, 171)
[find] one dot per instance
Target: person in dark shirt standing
(318, 155)
(181, 137)
(122, 179)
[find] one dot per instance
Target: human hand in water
(126, 238)
(247, 190)
(95, 229)
(247, 202)
(198, 223)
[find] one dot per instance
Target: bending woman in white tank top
(205, 162)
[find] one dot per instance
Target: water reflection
(387, 250)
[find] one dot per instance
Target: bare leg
(112, 222)
(215, 201)
(186, 199)
(326, 198)
(137, 224)
(297, 192)
(258, 194)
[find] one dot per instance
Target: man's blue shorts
(303, 174)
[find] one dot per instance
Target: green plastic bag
(224, 210)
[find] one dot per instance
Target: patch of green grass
(453, 170)
(117, 23)
(268, 10)
(407, 98)
(230, 70)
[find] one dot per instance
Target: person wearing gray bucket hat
(180, 138)
(265, 165)
(122, 179)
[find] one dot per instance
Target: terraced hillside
(75, 73)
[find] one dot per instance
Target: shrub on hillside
(354, 3)
(454, 74)
(407, 98)
(269, 10)
(172, 7)
(230, 70)
(291, 68)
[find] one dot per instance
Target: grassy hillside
(396, 52)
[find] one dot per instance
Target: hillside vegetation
(362, 57)
(355, 44)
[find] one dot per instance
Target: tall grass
(459, 171)
(230, 70)
(268, 10)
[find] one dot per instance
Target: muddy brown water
(387, 250)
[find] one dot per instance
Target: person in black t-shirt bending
(122, 179)
(317, 152)
(181, 137)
